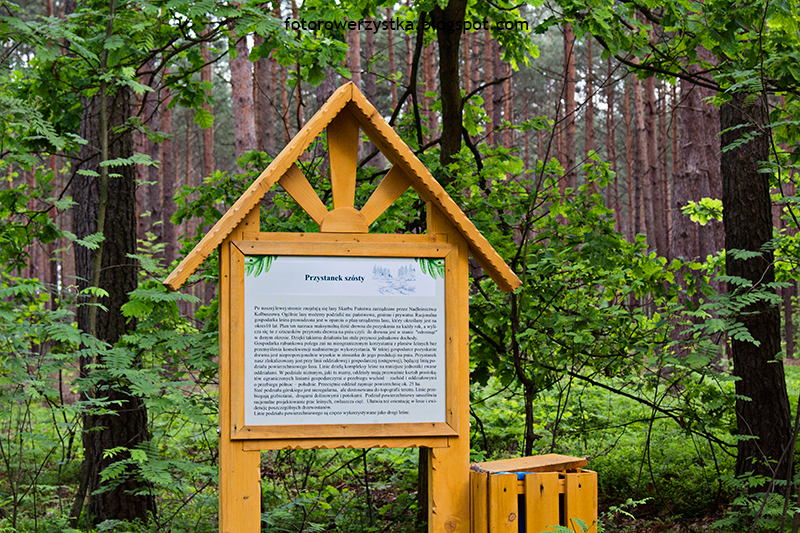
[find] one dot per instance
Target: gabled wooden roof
(344, 114)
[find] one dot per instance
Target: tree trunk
(152, 189)
(244, 131)
(497, 93)
(208, 133)
(664, 183)
(689, 174)
(429, 86)
(611, 147)
(125, 423)
(589, 128)
(409, 52)
(168, 178)
(285, 114)
(392, 61)
(466, 51)
(488, 93)
(658, 228)
(449, 78)
(633, 215)
(354, 57)
(748, 226)
(508, 105)
(570, 77)
(673, 113)
(645, 210)
(263, 93)
(789, 294)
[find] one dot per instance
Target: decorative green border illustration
(432, 267)
(255, 265)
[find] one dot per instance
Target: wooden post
(240, 476)
(448, 501)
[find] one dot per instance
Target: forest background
(634, 163)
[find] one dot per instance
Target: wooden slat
(383, 238)
(550, 462)
(239, 480)
(334, 431)
(398, 153)
(580, 500)
(236, 339)
(345, 249)
(343, 152)
(252, 196)
(391, 187)
(449, 481)
(503, 509)
(541, 501)
(298, 187)
(325, 444)
(479, 502)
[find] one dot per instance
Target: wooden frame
(345, 230)
(332, 248)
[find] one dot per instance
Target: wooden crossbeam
(298, 187)
(343, 151)
(391, 187)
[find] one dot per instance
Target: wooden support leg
(239, 488)
(239, 470)
(449, 483)
(449, 502)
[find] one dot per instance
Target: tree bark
(570, 77)
(449, 78)
(497, 94)
(263, 93)
(789, 294)
(688, 175)
(354, 57)
(644, 210)
(208, 133)
(634, 221)
(748, 226)
(244, 131)
(658, 228)
(392, 61)
(611, 147)
(508, 105)
(589, 117)
(125, 424)
(428, 86)
(488, 93)
(466, 51)
(167, 178)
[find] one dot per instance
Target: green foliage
(703, 211)
(348, 490)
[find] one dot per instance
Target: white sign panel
(344, 340)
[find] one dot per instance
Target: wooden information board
(344, 338)
(348, 344)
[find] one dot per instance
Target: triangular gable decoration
(345, 114)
